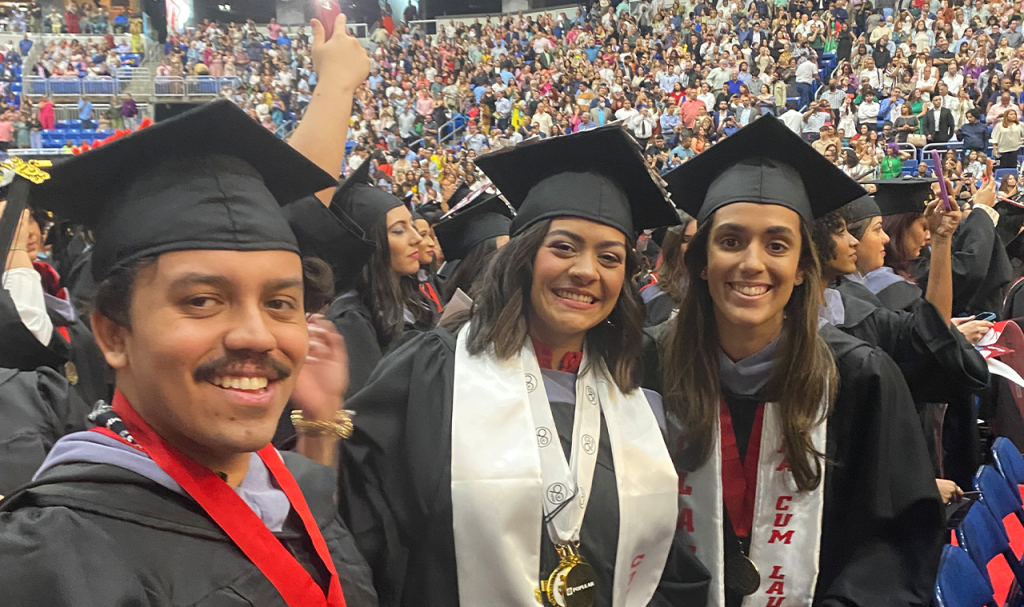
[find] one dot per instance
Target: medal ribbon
(739, 477)
(235, 518)
(566, 484)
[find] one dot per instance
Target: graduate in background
(426, 278)
(176, 497)
(664, 294)
(946, 408)
(367, 237)
(561, 485)
(37, 404)
(938, 362)
(980, 267)
(803, 471)
(469, 237)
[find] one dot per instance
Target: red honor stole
(428, 291)
(237, 519)
(739, 477)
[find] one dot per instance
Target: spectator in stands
(129, 112)
(85, 114)
(974, 134)
(996, 111)
(938, 124)
(46, 113)
(1007, 140)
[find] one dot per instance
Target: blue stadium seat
(1000, 173)
(997, 495)
(959, 583)
(984, 538)
(1009, 462)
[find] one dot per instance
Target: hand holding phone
(327, 12)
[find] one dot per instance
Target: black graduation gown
(352, 320)
(96, 535)
(395, 487)
(36, 408)
(937, 361)
(883, 520)
(981, 269)
(659, 309)
(939, 364)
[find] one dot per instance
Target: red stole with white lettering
(785, 536)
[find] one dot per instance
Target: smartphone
(326, 12)
(989, 316)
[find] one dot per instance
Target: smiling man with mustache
(176, 496)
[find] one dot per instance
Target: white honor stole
(785, 539)
(497, 487)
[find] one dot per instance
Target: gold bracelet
(341, 426)
(18, 249)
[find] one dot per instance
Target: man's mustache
(247, 365)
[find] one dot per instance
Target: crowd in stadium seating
(682, 75)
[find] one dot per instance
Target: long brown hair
(897, 226)
(501, 304)
(804, 371)
(671, 271)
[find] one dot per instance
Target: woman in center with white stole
(804, 476)
(508, 457)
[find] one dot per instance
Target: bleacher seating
(70, 130)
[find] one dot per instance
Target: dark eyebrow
(282, 284)
(195, 278)
(576, 238)
(781, 230)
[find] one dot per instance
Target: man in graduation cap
(804, 476)
(175, 497)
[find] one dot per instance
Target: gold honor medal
(573, 583)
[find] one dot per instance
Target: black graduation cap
(658, 234)
(862, 208)
(766, 163)
(461, 230)
(908, 195)
(341, 234)
(211, 178)
(1009, 209)
(460, 192)
(1015, 249)
(599, 174)
(362, 204)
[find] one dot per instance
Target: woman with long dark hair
(368, 238)
(426, 278)
(807, 436)
(459, 462)
(979, 265)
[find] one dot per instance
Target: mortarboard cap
(599, 174)
(460, 192)
(211, 178)
(363, 204)
(895, 196)
(1015, 248)
(862, 208)
(1008, 209)
(461, 230)
(333, 233)
(765, 163)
